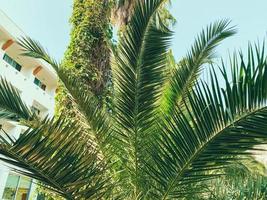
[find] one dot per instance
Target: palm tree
(169, 132)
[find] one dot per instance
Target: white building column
(4, 171)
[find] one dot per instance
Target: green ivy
(87, 56)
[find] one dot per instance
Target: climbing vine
(87, 57)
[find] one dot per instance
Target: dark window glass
(12, 62)
(43, 86)
(39, 83)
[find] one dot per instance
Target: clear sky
(43, 20)
(47, 21)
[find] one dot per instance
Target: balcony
(26, 86)
(15, 77)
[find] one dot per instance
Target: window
(11, 187)
(12, 62)
(17, 187)
(35, 110)
(23, 188)
(39, 83)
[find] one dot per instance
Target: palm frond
(96, 118)
(219, 124)
(188, 69)
(12, 106)
(86, 103)
(138, 76)
(57, 154)
(32, 48)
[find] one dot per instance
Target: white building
(36, 82)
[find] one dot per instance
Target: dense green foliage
(88, 55)
(237, 184)
(169, 135)
(245, 180)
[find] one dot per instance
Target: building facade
(36, 82)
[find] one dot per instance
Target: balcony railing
(26, 85)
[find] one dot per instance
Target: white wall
(4, 171)
(23, 81)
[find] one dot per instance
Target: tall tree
(88, 55)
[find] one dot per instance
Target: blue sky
(43, 20)
(47, 21)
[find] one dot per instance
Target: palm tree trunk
(87, 56)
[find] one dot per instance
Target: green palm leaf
(185, 75)
(218, 125)
(239, 183)
(11, 105)
(86, 103)
(57, 154)
(138, 76)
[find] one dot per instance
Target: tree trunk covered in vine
(87, 56)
